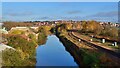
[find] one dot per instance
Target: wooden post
(115, 43)
(103, 40)
(79, 40)
(91, 40)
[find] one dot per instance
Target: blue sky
(25, 11)
(60, 0)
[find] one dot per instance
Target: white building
(3, 31)
(23, 28)
(34, 28)
(20, 28)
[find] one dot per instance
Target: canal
(53, 53)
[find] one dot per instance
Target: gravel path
(98, 46)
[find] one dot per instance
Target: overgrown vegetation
(17, 32)
(90, 57)
(43, 32)
(95, 28)
(24, 53)
(42, 38)
(25, 43)
(15, 58)
(33, 37)
(25, 50)
(22, 45)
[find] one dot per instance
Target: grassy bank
(83, 54)
(24, 43)
(23, 55)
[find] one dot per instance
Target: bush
(110, 32)
(32, 37)
(91, 59)
(24, 53)
(14, 58)
(17, 42)
(42, 38)
(17, 32)
(11, 58)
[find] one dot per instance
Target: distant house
(34, 28)
(23, 28)
(20, 28)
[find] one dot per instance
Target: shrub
(17, 32)
(91, 59)
(14, 58)
(42, 38)
(11, 58)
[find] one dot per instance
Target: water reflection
(53, 53)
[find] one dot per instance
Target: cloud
(70, 18)
(57, 18)
(106, 14)
(18, 14)
(41, 18)
(44, 18)
(74, 12)
(111, 16)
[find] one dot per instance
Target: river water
(53, 53)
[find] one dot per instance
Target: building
(3, 31)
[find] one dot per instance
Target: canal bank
(72, 49)
(84, 55)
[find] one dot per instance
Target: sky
(0, 11)
(31, 11)
(60, 0)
